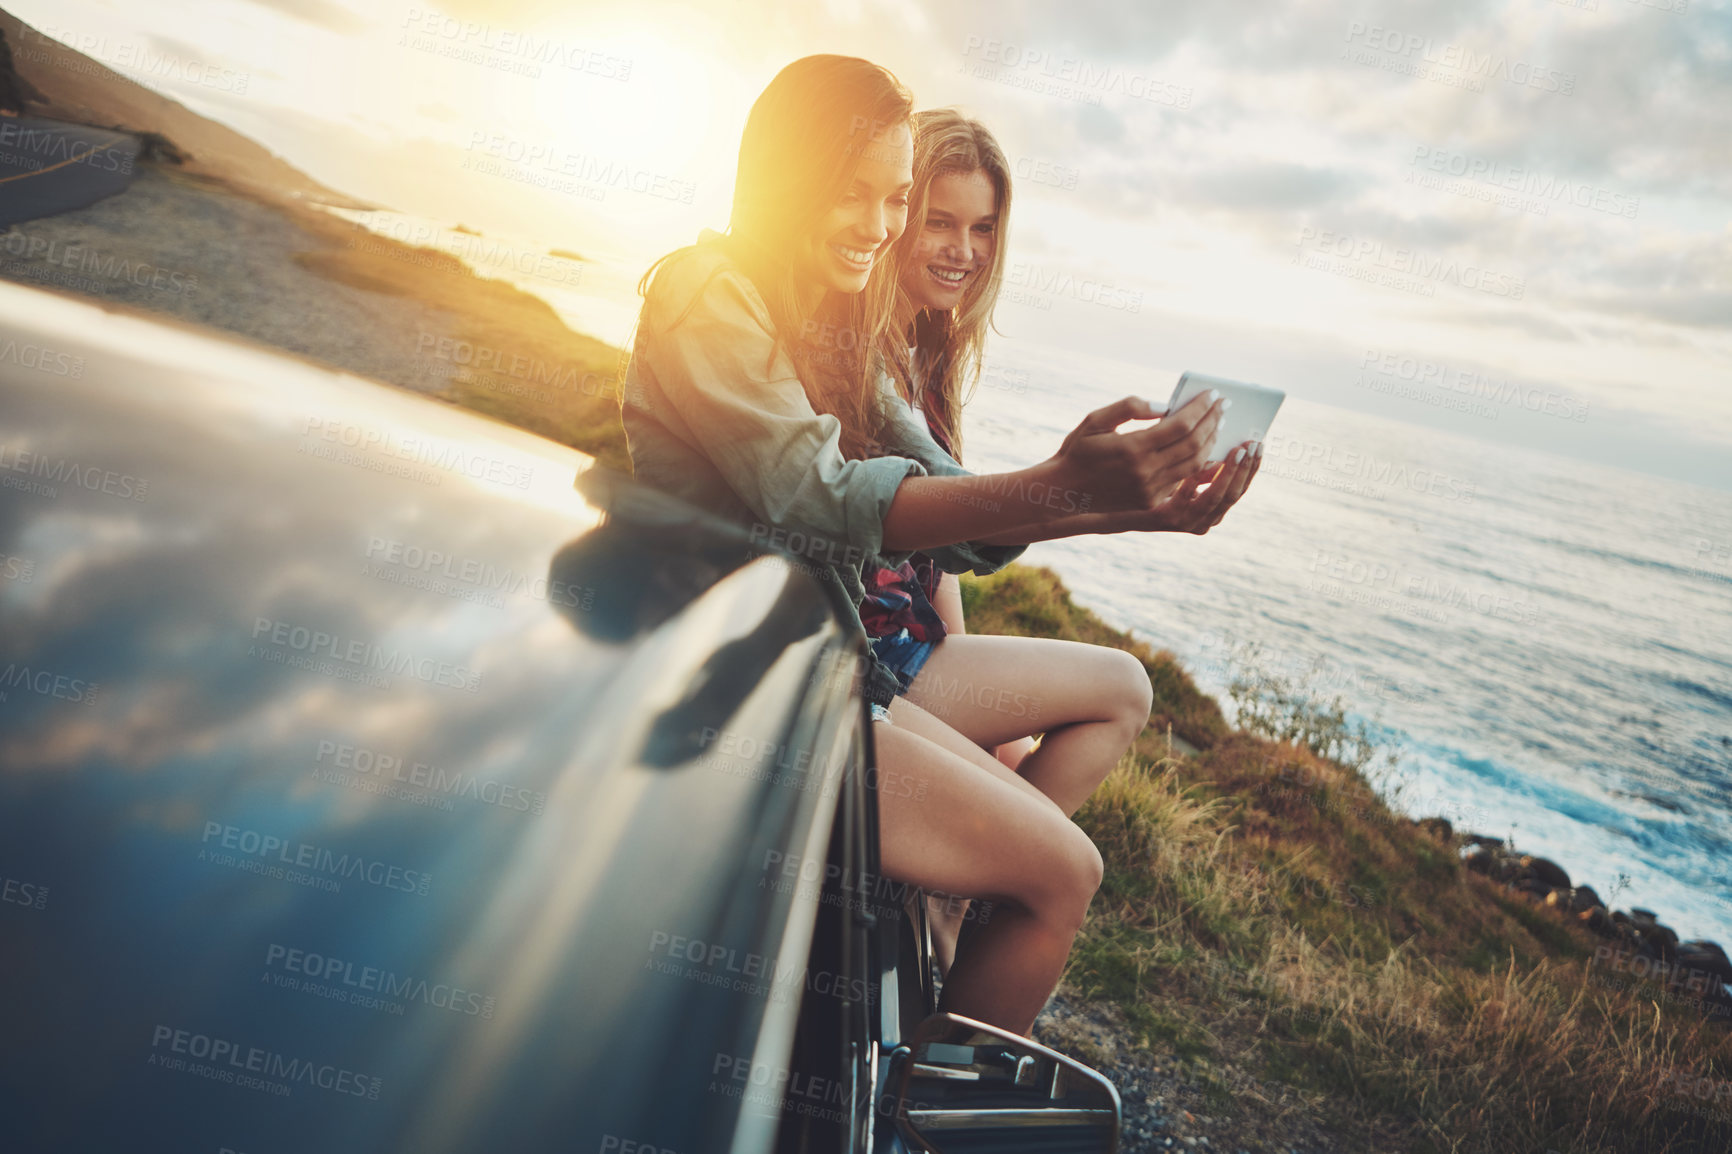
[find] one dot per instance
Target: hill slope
(1274, 948)
(63, 84)
(234, 240)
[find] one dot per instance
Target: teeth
(857, 255)
(950, 276)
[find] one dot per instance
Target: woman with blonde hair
(950, 265)
(1089, 702)
(754, 391)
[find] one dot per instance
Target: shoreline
(1441, 781)
(1277, 959)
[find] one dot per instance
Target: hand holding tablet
(1197, 503)
(1247, 415)
(1247, 418)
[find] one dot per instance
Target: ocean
(1546, 642)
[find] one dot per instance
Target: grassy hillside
(1266, 918)
(492, 348)
(510, 357)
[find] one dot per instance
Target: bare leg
(957, 822)
(1091, 702)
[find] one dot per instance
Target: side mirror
(963, 1086)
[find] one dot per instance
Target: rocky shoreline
(1168, 1105)
(1637, 949)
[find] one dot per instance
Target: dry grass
(1264, 910)
(536, 374)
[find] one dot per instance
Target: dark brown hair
(805, 137)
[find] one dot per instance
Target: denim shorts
(903, 656)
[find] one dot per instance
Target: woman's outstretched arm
(1190, 509)
(730, 392)
(1096, 479)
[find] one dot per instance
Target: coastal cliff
(1279, 960)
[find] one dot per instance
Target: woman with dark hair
(755, 391)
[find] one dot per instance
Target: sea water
(1547, 641)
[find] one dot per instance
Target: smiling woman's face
(956, 241)
(862, 225)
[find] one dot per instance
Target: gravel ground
(181, 246)
(1165, 1109)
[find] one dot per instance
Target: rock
(1707, 957)
(1597, 920)
(1480, 839)
(1439, 828)
(1563, 900)
(1480, 860)
(1584, 898)
(1547, 871)
(1647, 942)
(1533, 888)
(1624, 930)
(1661, 941)
(1637, 914)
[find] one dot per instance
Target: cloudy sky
(1521, 207)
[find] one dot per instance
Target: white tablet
(1253, 410)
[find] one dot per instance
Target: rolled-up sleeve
(906, 436)
(737, 397)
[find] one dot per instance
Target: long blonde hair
(804, 139)
(948, 345)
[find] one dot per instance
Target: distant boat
(54, 166)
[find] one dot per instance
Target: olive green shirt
(715, 414)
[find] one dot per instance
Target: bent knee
(1088, 873)
(1133, 694)
(1072, 876)
(1090, 868)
